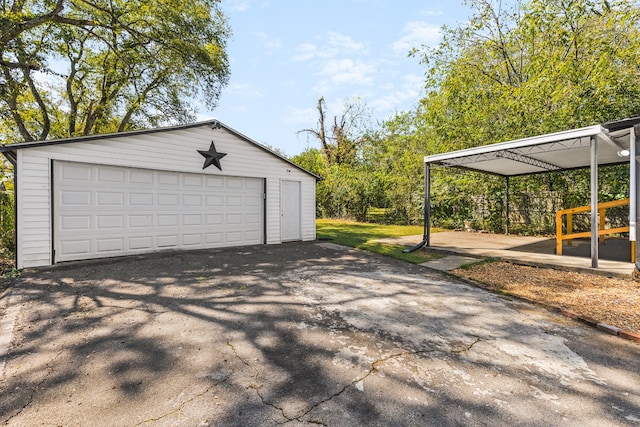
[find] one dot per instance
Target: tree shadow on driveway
(302, 333)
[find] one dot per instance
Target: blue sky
(285, 54)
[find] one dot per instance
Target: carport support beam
(506, 205)
(634, 185)
(594, 201)
(427, 204)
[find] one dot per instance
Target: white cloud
(304, 116)
(239, 5)
(410, 90)
(344, 43)
(415, 34)
(331, 45)
(348, 71)
(269, 43)
(431, 12)
(239, 109)
(244, 91)
(305, 52)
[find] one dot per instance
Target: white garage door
(102, 211)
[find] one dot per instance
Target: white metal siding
(308, 209)
(170, 150)
(102, 211)
(33, 211)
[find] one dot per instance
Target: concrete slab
(299, 334)
(522, 249)
(450, 262)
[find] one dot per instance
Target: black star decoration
(212, 157)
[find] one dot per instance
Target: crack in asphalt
(374, 367)
(469, 347)
(243, 360)
(192, 398)
(35, 389)
(179, 408)
(255, 387)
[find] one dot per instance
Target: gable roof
(545, 153)
(9, 150)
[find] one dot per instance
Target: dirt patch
(7, 273)
(613, 301)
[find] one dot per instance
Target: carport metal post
(506, 205)
(634, 185)
(594, 201)
(427, 204)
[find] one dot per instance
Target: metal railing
(602, 232)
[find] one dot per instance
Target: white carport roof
(545, 153)
(591, 146)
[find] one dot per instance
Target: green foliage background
(536, 67)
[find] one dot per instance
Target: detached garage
(194, 186)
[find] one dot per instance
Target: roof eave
(12, 148)
(518, 143)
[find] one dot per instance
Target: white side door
(290, 203)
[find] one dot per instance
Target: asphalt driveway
(297, 334)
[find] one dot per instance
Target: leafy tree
(77, 67)
(340, 140)
(349, 186)
(540, 66)
(395, 153)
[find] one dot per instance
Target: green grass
(363, 235)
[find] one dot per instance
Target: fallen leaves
(614, 301)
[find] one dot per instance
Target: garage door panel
(168, 220)
(234, 218)
(76, 247)
(253, 185)
(214, 182)
(140, 221)
(168, 178)
(169, 241)
(214, 219)
(76, 223)
(192, 200)
(109, 245)
(213, 238)
(214, 201)
(192, 180)
(77, 172)
(234, 201)
(234, 237)
(141, 243)
(252, 201)
(110, 175)
(168, 199)
(191, 219)
(234, 183)
(110, 222)
(110, 198)
(76, 198)
(192, 239)
(110, 211)
(252, 219)
(141, 177)
(140, 199)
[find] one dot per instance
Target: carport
(588, 147)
